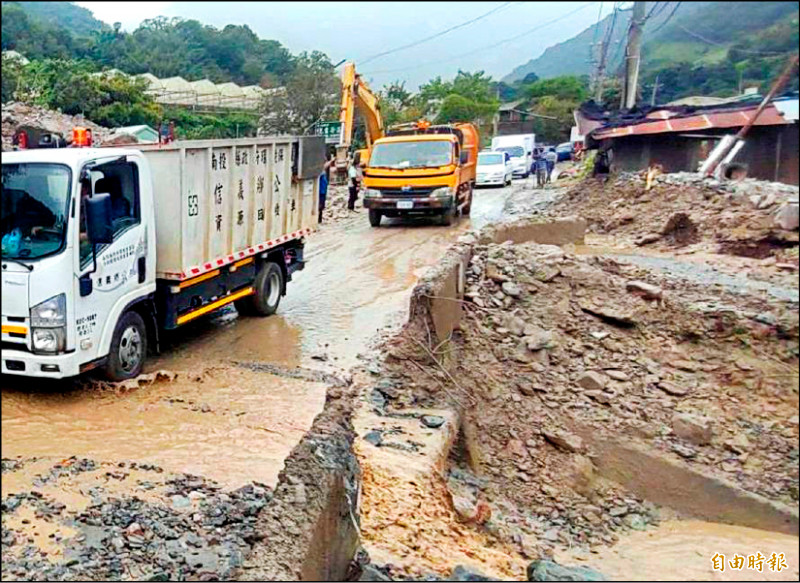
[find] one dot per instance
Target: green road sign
(331, 130)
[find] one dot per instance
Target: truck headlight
(48, 324)
(372, 193)
(50, 313)
(443, 192)
(48, 339)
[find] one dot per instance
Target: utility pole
(655, 90)
(633, 56)
(601, 67)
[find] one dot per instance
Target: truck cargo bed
(218, 201)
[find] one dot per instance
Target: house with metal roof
(680, 137)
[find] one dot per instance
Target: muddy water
(693, 269)
(234, 426)
(238, 425)
(682, 551)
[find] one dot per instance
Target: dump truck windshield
(412, 154)
(35, 199)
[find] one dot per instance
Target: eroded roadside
(586, 402)
(107, 470)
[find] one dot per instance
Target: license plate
(405, 204)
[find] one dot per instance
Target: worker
(324, 180)
(353, 182)
(551, 158)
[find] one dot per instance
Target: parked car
(520, 148)
(564, 151)
(494, 168)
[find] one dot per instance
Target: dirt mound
(17, 114)
(556, 351)
(684, 209)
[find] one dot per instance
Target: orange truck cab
(422, 170)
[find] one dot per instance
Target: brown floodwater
(682, 551)
(237, 424)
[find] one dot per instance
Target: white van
(520, 148)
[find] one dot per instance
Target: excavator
(357, 94)
(415, 169)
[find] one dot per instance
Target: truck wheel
(128, 348)
(468, 207)
(446, 218)
(375, 218)
(268, 287)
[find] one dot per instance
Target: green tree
(311, 94)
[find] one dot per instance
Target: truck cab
(104, 248)
(422, 171)
(62, 295)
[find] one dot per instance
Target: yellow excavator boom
(357, 94)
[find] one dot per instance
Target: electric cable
(510, 39)
(438, 34)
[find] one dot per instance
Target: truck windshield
(489, 159)
(35, 199)
(513, 151)
(411, 154)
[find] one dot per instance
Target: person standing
(353, 183)
(552, 158)
(324, 180)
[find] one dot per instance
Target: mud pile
(336, 205)
(557, 352)
(17, 114)
(749, 218)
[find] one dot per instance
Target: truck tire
(128, 349)
(375, 218)
(468, 207)
(268, 286)
(447, 217)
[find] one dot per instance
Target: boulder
(543, 570)
(593, 381)
(563, 440)
(462, 573)
(645, 290)
(695, 429)
(512, 289)
(788, 217)
(537, 339)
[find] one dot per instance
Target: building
(679, 138)
(143, 134)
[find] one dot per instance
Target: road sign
(332, 130)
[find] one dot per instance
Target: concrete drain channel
(424, 509)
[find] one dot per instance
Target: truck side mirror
(464, 158)
(98, 219)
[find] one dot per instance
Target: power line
(438, 34)
(663, 24)
(497, 44)
(719, 44)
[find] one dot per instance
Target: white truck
(105, 248)
(520, 147)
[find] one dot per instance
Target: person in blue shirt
(324, 179)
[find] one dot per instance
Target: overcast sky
(359, 30)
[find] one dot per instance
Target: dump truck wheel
(268, 287)
(128, 349)
(446, 218)
(468, 207)
(375, 218)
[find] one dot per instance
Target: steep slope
(76, 19)
(697, 33)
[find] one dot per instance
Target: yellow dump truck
(413, 169)
(422, 169)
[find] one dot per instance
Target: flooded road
(224, 421)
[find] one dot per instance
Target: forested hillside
(696, 48)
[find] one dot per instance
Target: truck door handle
(142, 269)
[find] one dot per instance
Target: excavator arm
(357, 94)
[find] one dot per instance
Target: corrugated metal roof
(664, 121)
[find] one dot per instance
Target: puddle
(234, 427)
(682, 551)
